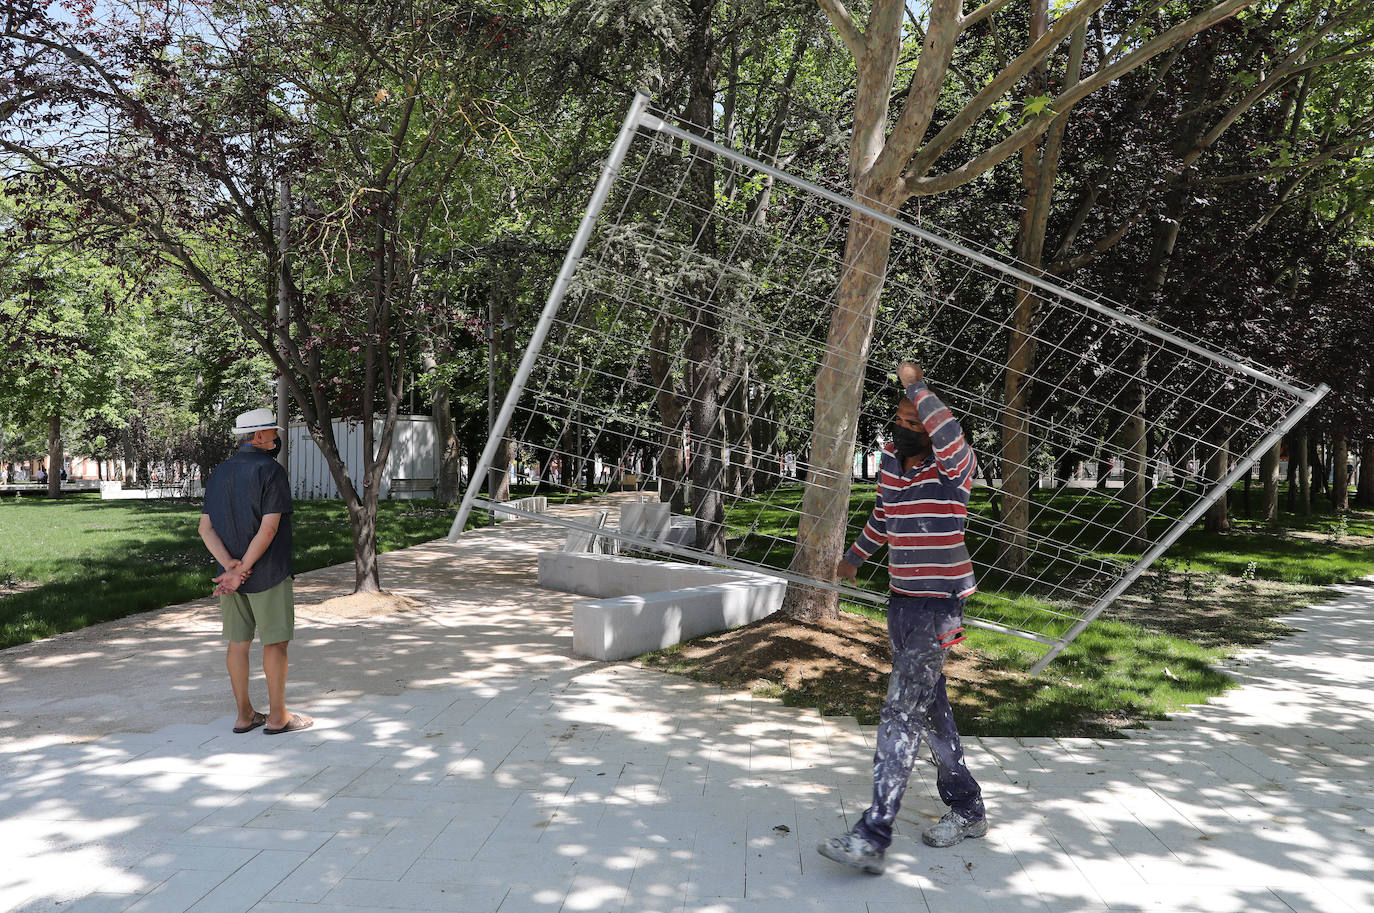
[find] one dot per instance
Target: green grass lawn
(78, 560)
(1155, 652)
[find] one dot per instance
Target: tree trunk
(1218, 515)
(1340, 487)
(703, 370)
(1365, 496)
(1039, 171)
(1300, 445)
(1016, 471)
(1292, 442)
(1245, 493)
(446, 486)
(839, 390)
(703, 339)
(283, 327)
(1133, 442)
(1269, 475)
(589, 474)
(126, 441)
(55, 455)
(362, 517)
(828, 458)
(672, 467)
(766, 473)
(498, 475)
(1320, 484)
(739, 469)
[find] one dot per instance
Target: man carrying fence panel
(922, 502)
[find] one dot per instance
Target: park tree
(751, 75)
(702, 58)
(271, 153)
(1228, 129)
(900, 150)
(61, 347)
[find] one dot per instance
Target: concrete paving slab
(464, 760)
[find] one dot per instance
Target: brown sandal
(259, 719)
(295, 724)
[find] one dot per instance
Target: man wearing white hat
(246, 525)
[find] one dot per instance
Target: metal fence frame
(639, 117)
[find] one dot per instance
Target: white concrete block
(648, 605)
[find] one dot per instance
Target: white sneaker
(853, 850)
(953, 828)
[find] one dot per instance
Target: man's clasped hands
(232, 578)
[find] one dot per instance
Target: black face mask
(909, 443)
(275, 448)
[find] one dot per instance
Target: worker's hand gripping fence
(679, 350)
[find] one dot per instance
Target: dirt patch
(1348, 540)
(841, 666)
(9, 586)
(838, 665)
(359, 605)
(1213, 610)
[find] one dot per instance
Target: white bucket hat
(256, 420)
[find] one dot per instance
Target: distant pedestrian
(246, 525)
(923, 492)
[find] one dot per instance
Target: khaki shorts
(272, 612)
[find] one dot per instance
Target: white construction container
(410, 469)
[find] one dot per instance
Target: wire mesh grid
(718, 303)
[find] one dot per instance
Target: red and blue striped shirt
(920, 512)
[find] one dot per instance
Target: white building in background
(410, 470)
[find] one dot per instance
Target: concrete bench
(115, 491)
(409, 489)
(647, 605)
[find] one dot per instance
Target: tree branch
(1308, 164)
(1106, 242)
(916, 184)
(981, 13)
(994, 90)
(843, 22)
(958, 71)
(924, 92)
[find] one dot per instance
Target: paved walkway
(465, 761)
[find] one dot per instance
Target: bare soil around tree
(841, 666)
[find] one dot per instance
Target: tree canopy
(400, 180)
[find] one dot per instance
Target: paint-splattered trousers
(922, 631)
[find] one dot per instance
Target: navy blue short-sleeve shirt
(241, 491)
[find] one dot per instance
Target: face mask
(274, 449)
(909, 443)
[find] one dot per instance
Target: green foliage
(1035, 106)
